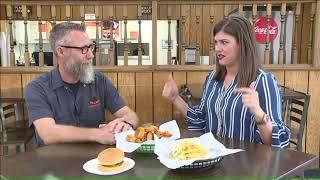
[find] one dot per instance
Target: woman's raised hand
(170, 90)
(250, 98)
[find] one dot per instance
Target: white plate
(91, 166)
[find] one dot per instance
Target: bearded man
(68, 103)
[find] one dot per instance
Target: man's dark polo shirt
(48, 96)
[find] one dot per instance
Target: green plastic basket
(146, 148)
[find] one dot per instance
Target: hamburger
(110, 159)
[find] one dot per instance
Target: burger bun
(110, 157)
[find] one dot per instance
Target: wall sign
(260, 29)
(146, 9)
(18, 9)
(190, 55)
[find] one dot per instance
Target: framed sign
(146, 9)
(190, 55)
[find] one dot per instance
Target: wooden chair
(186, 95)
(295, 111)
(14, 130)
(191, 94)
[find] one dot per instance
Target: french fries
(146, 133)
(188, 149)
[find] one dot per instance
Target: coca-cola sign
(260, 28)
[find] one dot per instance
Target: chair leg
(5, 150)
(18, 149)
(22, 147)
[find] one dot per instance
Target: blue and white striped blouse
(223, 113)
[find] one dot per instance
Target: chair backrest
(9, 115)
(15, 129)
(185, 93)
(295, 106)
(191, 94)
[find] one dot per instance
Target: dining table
(66, 161)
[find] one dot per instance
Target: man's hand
(170, 90)
(117, 125)
(126, 115)
(106, 136)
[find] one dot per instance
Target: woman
(240, 100)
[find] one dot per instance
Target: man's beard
(84, 71)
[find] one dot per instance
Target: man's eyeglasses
(83, 49)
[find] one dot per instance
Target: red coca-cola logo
(260, 29)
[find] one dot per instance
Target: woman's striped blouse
(223, 113)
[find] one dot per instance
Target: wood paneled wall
(142, 90)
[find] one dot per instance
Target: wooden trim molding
(150, 68)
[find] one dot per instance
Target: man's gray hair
(60, 33)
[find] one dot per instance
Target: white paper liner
(216, 149)
(129, 147)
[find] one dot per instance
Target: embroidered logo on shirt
(94, 102)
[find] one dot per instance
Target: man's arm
(127, 115)
(51, 133)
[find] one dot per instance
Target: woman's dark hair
(240, 28)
